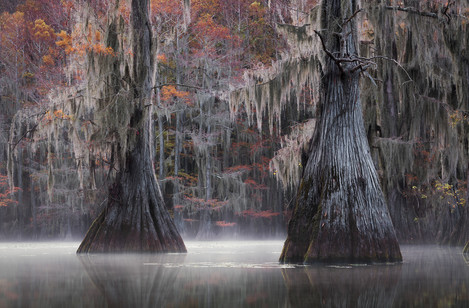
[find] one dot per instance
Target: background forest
(235, 108)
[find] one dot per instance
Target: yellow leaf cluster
(47, 59)
(42, 30)
(455, 196)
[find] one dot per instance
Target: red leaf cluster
(223, 224)
(6, 193)
(258, 214)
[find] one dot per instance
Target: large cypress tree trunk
(135, 218)
(466, 247)
(340, 214)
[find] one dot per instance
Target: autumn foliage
(28, 52)
(170, 93)
(258, 214)
(6, 193)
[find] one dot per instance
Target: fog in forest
(230, 141)
(239, 153)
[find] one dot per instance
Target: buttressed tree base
(340, 214)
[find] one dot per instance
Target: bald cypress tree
(340, 214)
(135, 218)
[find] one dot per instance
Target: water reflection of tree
(134, 281)
(320, 286)
(435, 280)
(423, 280)
(172, 281)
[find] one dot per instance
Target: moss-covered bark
(417, 127)
(340, 213)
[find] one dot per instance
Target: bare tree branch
(444, 11)
(29, 131)
(351, 17)
(177, 84)
(412, 10)
(396, 62)
(329, 53)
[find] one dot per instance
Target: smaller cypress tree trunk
(161, 142)
(135, 218)
(177, 147)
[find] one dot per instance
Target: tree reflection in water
(430, 276)
(226, 274)
(172, 281)
(125, 280)
(343, 286)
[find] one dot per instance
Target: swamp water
(225, 274)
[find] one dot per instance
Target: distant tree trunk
(208, 161)
(177, 143)
(205, 221)
(161, 142)
(135, 218)
(340, 214)
(177, 146)
(20, 209)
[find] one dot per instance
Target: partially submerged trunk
(340, 214)
(135, 218)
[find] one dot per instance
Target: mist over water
(225, 274)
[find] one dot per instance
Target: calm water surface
(225, 274)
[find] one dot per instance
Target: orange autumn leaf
(162, 58)
(97, 36)
(65, 42)
(61, 115)
(170, 92)
(166, 7)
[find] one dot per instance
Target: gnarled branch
(336, 60)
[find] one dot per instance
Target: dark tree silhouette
(340, 214)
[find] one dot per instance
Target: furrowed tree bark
(135, 218)
(340, 214)
(466, 247)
